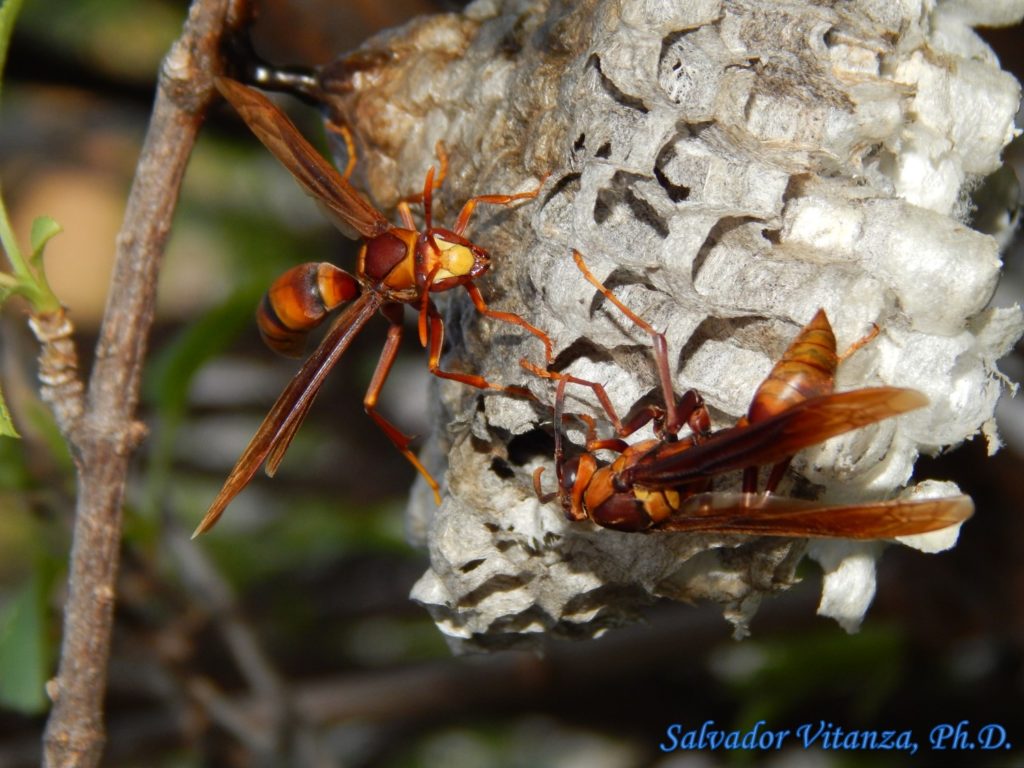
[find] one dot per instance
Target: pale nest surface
(728, 168)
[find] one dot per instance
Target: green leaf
(6, 425)
(8, 13)
(14, 481)
(43, 228)
(24, 666)
(8, 285)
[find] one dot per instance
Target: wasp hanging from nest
(397, 266)
(665, 483)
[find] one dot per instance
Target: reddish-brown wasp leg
(404, 211)
(442, 164)
(538, 489)
(424, 310)
(559, 414)
(470, 205)
(691, 408)
(864, 340)
(589, 421)
(342, 132)
(434, 180)
(570, 498)
(592, 442)
(598, 390)
(460, 227)
(436, 341)
(609, 444)
(673, 419)
(571, 489)
(429, 184)
(750, 477)
(393, 313)
(509, 317)
(558, 418)
(776, 475)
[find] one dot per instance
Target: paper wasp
(396, 266)
(665, 483)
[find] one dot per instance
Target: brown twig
(208, 588)
(104, 437)
(448, 690)
(61, 386)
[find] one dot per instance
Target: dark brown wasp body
(665, 483)
(396, 266)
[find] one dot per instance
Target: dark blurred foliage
(292, 620)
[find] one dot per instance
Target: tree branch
(104, 438)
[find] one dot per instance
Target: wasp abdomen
(807, 369)
(298, 301)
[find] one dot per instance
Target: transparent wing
(767, 515)
(766, 442)
(280, 425)
(337, 198)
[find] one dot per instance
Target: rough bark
(105, 434)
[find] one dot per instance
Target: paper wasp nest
(727, 168)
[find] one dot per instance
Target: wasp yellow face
(456, 260)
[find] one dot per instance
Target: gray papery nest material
(728, 168)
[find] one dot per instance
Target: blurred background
(292, 622)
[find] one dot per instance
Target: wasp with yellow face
(396, 266)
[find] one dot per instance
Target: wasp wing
(765, 442)
(279, 426)
(337, 198)
(284, 439)
(767, 515)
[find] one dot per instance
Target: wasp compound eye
(570, 470)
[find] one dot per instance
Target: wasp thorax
(456, 259)
(657, 504)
